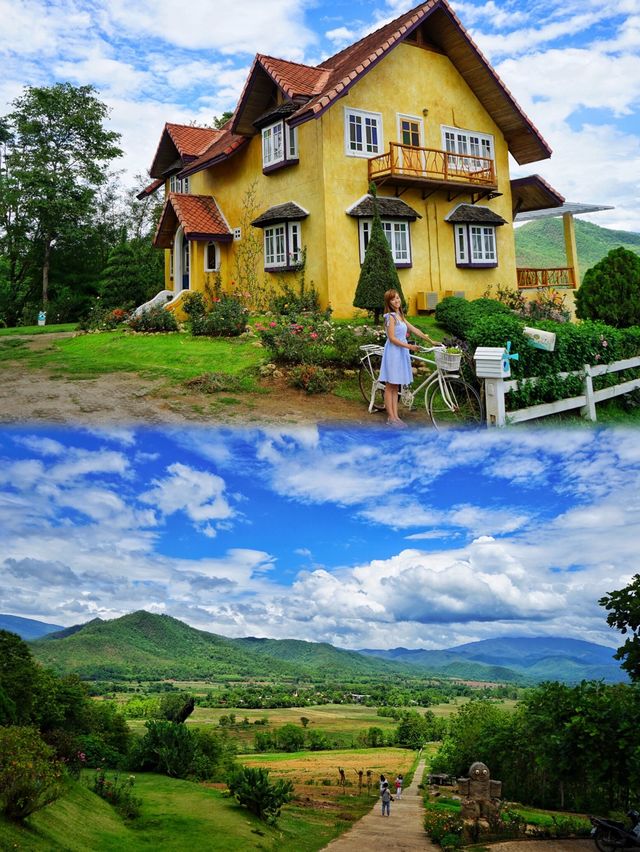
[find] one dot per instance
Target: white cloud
(201, 495)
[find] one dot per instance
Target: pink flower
(313, 335)
(272, 324)
(604, 343)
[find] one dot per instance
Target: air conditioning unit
(426, 300)
(459, 294)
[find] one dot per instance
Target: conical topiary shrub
(610, 290)
(378, 273)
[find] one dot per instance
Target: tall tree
(57, 154)
(378, 273)
(624, 614)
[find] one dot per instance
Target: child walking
(395, 369)
(399, 783)
(385, 795)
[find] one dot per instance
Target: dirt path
(38, 395)
(402, 830)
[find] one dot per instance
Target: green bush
(30, 777)
(610, 290)
(100, 318)
(118, 792)
(251, 787)
(301, 341)
(455, 315)
(226, 318)
(310, 379)
(291, 302)
(440, 823)
(167, 747)
(154, 320)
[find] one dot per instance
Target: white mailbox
(540, 339)
(492, 362)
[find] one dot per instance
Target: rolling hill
(541, 243)
(531, 659)
(26, 628)
(145, 646)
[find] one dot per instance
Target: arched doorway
(182, 262)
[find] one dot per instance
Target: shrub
(100, 318)
(30, 777)
(118, 792)
(454, 314)
(154, 320)
(301, 341)
(226, 318)
(291, 302)
(610, 290)
(310, 379)
(440, 823)
(214, 755)
(167, 747)
(251, 787)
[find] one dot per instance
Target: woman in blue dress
(395, 369)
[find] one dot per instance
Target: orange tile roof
(222, 148)
(199, 216)
(150, 189)
(191, 141)
(294, 79)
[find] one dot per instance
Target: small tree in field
(252, 788)
(611, 290)
(378, 273)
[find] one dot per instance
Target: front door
(185, 264)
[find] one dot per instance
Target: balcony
(560, 276)
(432, 169)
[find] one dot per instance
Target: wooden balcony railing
(423, 166)
(561, 276)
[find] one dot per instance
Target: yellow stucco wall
(327, 181)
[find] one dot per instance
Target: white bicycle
(448, 398)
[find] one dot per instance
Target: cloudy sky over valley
(360, 538)
(574, 66)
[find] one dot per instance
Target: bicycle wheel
(459, 405)
(368, 375)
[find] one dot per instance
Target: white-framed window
(177, 184)
(362, 132)
(237, 234)
(279, 144)
(211, 257)
(397, 233)
(469, 144)
(475, 245)
(282, 245)
(272, 144)
(410, 130)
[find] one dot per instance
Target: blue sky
(360, 538)
(573, 65)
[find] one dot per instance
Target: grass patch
(39, 329)
(178, 815)
(175, 357)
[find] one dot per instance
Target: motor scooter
(612, 836)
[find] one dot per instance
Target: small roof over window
(388, 208)
(287, 212)
(473, 214)
(199, 216)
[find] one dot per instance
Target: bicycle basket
(447, 361)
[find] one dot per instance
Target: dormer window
(279, 145)
(177, 184)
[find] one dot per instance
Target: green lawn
(176, 815)
(39, 329)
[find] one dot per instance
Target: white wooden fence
(496, 390)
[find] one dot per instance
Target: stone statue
(481, 794)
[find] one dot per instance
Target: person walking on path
(386, 797)
(399, 783)
(395, 369)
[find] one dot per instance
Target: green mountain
(512, 658)
(144, 646)
(541, 243)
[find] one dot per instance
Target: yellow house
(413, 107)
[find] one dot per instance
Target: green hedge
(481, 323)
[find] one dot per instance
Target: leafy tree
(220, 120)
(57, 151)
(167, 747)
(610, 290)
(290, 738)
(624, 614)
(177, 707)
(19, 678)
(378, 273)
(252, 788)
(30, 777)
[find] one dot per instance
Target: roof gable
(199, 216)
(179, 144)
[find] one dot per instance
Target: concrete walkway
(402, 831)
